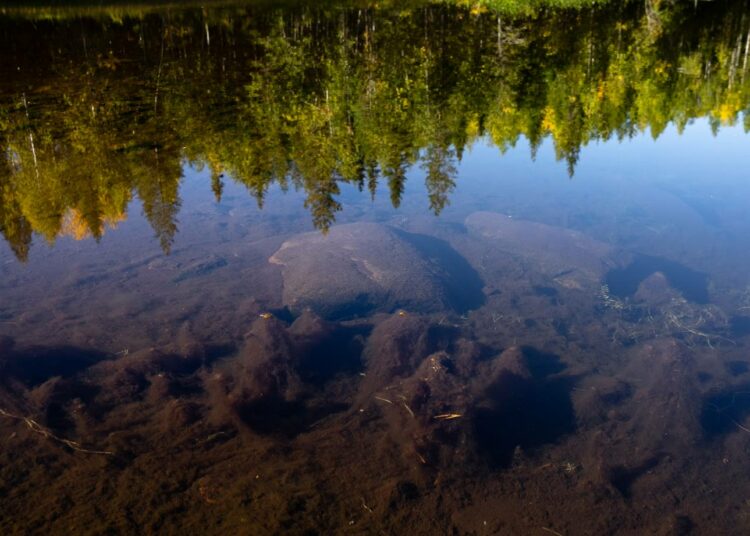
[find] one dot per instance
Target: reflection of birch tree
(310, 98)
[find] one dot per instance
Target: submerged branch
(41, 430)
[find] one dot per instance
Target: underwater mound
(361, 268)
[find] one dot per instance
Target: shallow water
(368, 269)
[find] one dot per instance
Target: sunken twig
(44, 432)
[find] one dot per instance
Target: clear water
(364, 269)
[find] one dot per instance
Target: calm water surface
(374, 269)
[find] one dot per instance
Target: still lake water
(375, 270)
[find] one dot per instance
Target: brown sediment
(546, 408)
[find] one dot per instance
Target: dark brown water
(361, 269)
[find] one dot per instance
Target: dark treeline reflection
(98, 109)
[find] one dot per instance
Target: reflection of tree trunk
(508, 36)
(734, 61)
(499, 37)
(217, 185)
(652, 16)
(329, 114)
(158, 72)
(747, 51)
(31, 136)
(83, 38)
(33, 153)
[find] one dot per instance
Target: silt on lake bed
(375, 268)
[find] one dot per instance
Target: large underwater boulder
(570, 257)
(361, 268)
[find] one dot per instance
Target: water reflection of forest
(107, 108)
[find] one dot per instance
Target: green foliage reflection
(105, 110)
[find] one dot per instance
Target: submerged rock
(397, 346)
(444, 403)
(276, 384)
(571, 257)
(626, 281)
(666, 404)
(649, 415)
(360, 268)
(655, 291)
(520, 402)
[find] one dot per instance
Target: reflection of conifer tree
(14, 227)
(312, 97)
(90, 211)
(321, 201)
(372, 179)
(439, 163)
(217, 184)
(158, 191)
(396, 176)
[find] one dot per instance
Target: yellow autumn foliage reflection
(109, 109)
